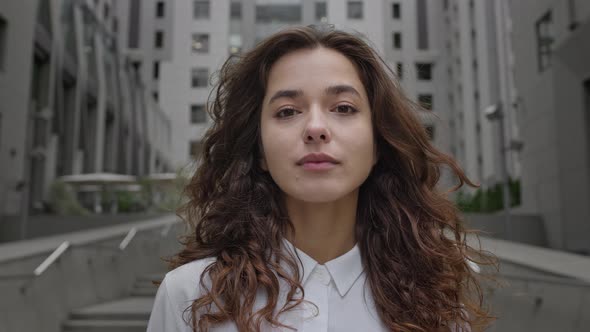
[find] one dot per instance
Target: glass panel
(200, 43)
(201, 9)
(355, 9)
(278, 13)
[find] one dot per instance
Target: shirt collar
(344, 269)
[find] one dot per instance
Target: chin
(316, 195)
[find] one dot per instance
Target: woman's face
(316, 129)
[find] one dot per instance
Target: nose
(316, 130)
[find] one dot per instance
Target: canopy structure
(97, 182)
(98, 179)
(162, 177)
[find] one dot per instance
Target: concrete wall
(538, 289)
(529, 300)
(15, 91)
(529, 229)
(48, 225)
(556, 157)
(84, 275)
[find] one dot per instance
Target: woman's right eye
(286, 112)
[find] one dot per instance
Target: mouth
(317, 162)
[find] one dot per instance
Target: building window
(544, 41)
(422, 20)
(400, 70)
(355, 10)
(235, 10)
(201, 9)
(156, 96)
(106, 11)
(321, 11)
(200, 43)
(159, 39)
(160, 9)
(235, 44)
(424, 71)
(156, 70)
(3, 29)
(425, 101)
(194, 149)
(396, 12)
(200, 77)
(397, 40)
(198, 114)
(572, 14)
(430, 132)
(278, 13)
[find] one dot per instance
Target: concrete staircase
(130, 314)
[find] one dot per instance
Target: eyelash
(352, 111)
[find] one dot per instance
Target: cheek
(275, 145)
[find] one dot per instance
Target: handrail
(166, 230)
(121, 247)
(130, 235)
(43, 266)
(86, 238)
(546, 279)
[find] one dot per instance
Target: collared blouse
(342, 297)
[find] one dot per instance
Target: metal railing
(64, 246)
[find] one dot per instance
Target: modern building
(205, 33)
(72, 101)
(476, 68)
(551, 43)
(199, 45)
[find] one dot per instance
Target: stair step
(90, 325)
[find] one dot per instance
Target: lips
(317, 161)
(317, 158)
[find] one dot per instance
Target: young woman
(315, 205)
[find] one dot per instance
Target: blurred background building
(74, 99)
(118, 89)
(121, 87)
(551, 42)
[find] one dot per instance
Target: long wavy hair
(410, 235)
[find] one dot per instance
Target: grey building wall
(236, 34)
(554, 111)
(15, 76)
(477, 73)
(71, 101)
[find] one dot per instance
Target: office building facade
(551, 42)
(72, 102)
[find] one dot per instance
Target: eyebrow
(291, 94)
(331, 90)
(342, 88)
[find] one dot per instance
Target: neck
(323, 231)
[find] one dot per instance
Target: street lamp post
(493, 113)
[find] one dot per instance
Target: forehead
(312, 69)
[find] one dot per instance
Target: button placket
(323, 275)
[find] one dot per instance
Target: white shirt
(337, 288)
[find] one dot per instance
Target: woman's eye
(286, 112)
(345, 109)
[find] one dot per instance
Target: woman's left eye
(345, 109)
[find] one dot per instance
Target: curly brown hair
(410, 235)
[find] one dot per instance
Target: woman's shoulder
(184, 281)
